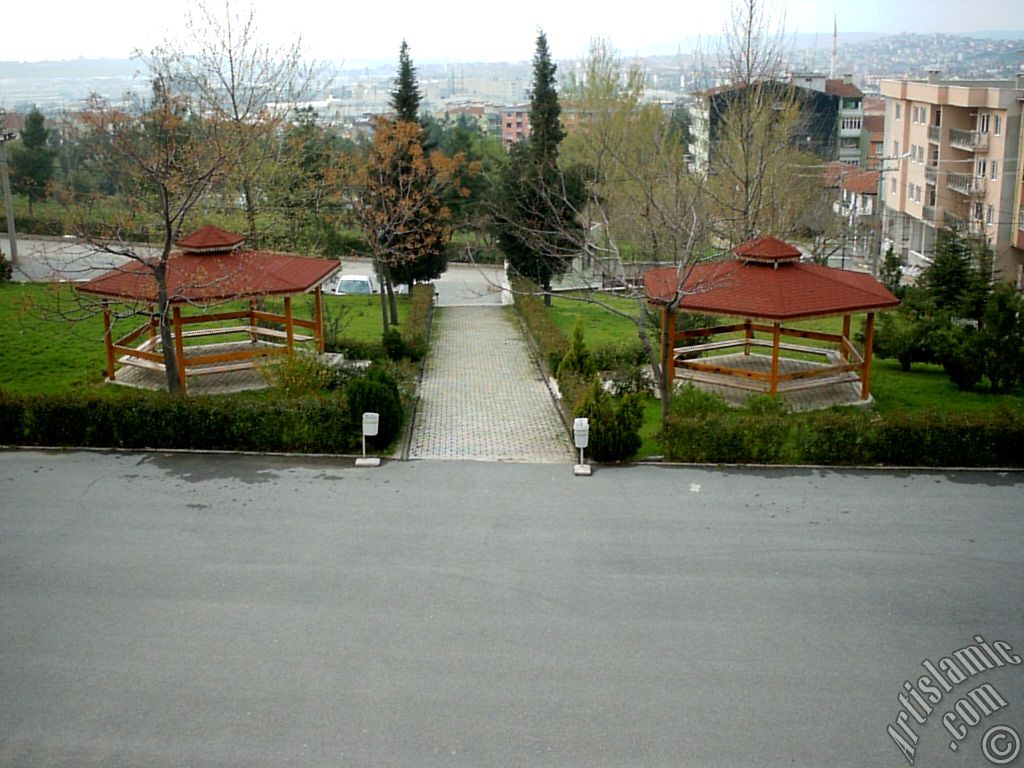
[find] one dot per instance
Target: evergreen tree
(32, 164)
(536, 221)
(405, 97)
(546, 131)
(959, 278)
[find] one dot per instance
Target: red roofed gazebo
(766, 281)
(212, 267)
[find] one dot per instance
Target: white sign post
(371, 426)
(581, 436)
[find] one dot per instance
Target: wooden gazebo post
(869, 340)
(776, 340)
(179, 351)
(108, 339)
(289, 328)
(318, 310)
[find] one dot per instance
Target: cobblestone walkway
(482, 397)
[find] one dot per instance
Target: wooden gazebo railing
(841, 362)
(256, 336)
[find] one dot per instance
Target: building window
(938, 116)
(990, 214)
(979, 168)
(910, 191)
(850, 124)
(895, 149)
(892, 189)
(977, 211)
(917, 193)
(997, 124)
(995, 170)
(983, 122)
(899, 111)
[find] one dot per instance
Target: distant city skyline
(459, 31)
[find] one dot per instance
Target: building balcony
(972, 141)
(928, 212)
(952, 221)
(934, 133)
(931, 174)
(965, 184)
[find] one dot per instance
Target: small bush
(551, 342)
(961, 357)
(6, 271)
(577, 358)
(376, 392)
(354, 349)
(689, 401)
(614, 423)
(298, 374)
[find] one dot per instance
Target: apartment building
(819, 132)
(514, 122)
(953, 149)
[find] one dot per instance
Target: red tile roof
(861, 182)
(210, 239)
(215, 276)
(785, 291)
(838, 87)
(766, 249)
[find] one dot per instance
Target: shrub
(6, 271)
(577, 358)
(354, 349)
(614, 423)
(298, 374)
(689, 401)
(961, 357)
(159, 420)
(551, 342)
(376, 392)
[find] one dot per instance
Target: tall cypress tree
(405, 97)
(535, 218)
(546, 131)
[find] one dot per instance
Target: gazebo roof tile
(215, 277)
(210, 239)
(776, 291)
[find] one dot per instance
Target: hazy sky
(459, 30)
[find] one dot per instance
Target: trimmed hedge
(158, 420)
(551, 342)
(848, 437)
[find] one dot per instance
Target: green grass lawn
(42, 352)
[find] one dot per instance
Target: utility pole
(6, 136)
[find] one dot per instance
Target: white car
(355, 284)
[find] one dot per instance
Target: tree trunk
(166, 332)
(547, 292)
(388, 285)
(656, 358)
(250, 212)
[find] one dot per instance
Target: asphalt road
(169, 610)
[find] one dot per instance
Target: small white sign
(371, 424)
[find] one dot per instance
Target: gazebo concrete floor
(807, 399)
(205, 384)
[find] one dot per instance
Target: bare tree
(244, 82)
(172, 155)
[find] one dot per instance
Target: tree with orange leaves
(399, 192)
